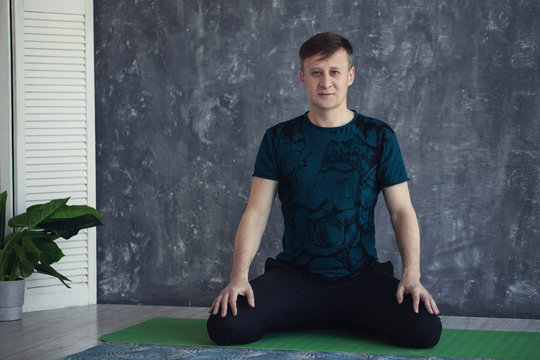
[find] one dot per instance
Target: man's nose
(326, 81)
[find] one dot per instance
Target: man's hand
(412, 285)
(229, 295)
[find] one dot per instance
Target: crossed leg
(369, 302)
(286, 299)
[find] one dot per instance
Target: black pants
(286, 300)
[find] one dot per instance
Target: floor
(53, 334)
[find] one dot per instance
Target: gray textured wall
(185, 90)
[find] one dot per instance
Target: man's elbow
(404, 213)
(256, 216)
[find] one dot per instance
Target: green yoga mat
(510, 345)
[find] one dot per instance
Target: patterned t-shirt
(329, 180)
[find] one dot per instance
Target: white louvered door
(54, 133)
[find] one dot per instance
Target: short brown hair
(326, 44)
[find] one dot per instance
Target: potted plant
(32, 248)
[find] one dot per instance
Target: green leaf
(36, 214)
(48, 249)
(72, 211)
(46, 269)
(32, 252)
(68, 228)
(25, 266)
(50, 252)
(12, 238)
(8, 263)
(15, 273)
(8, 260)
(33, 207)
(3, 198)
(41, 236)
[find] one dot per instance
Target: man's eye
(335, 72)
(316, 73)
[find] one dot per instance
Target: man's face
(327, 80)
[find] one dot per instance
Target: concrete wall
(185, 90)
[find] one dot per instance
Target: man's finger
(431, 305)
(215, 305)
(224, 301)
(250, 297)
(426, 299)
(232, 303)
(434, 306)
(399, 293)
(416, 301)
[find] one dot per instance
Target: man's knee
(424, 333)
(220, 330)
(230, 331)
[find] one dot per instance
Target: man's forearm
(248, 239)
(407, 233)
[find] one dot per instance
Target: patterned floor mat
(130, 351)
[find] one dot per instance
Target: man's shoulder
(286, 127)
(367, 123)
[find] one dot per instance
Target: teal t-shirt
(329, 180)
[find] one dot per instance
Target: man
(328, 166)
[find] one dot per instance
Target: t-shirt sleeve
(266, 165)
(391, 168)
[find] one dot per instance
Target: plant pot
(11, 299)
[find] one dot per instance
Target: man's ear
(301, 75)
(351, 75)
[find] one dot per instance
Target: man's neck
(330, 118)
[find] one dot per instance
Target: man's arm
(405, 223)
(248, 239)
